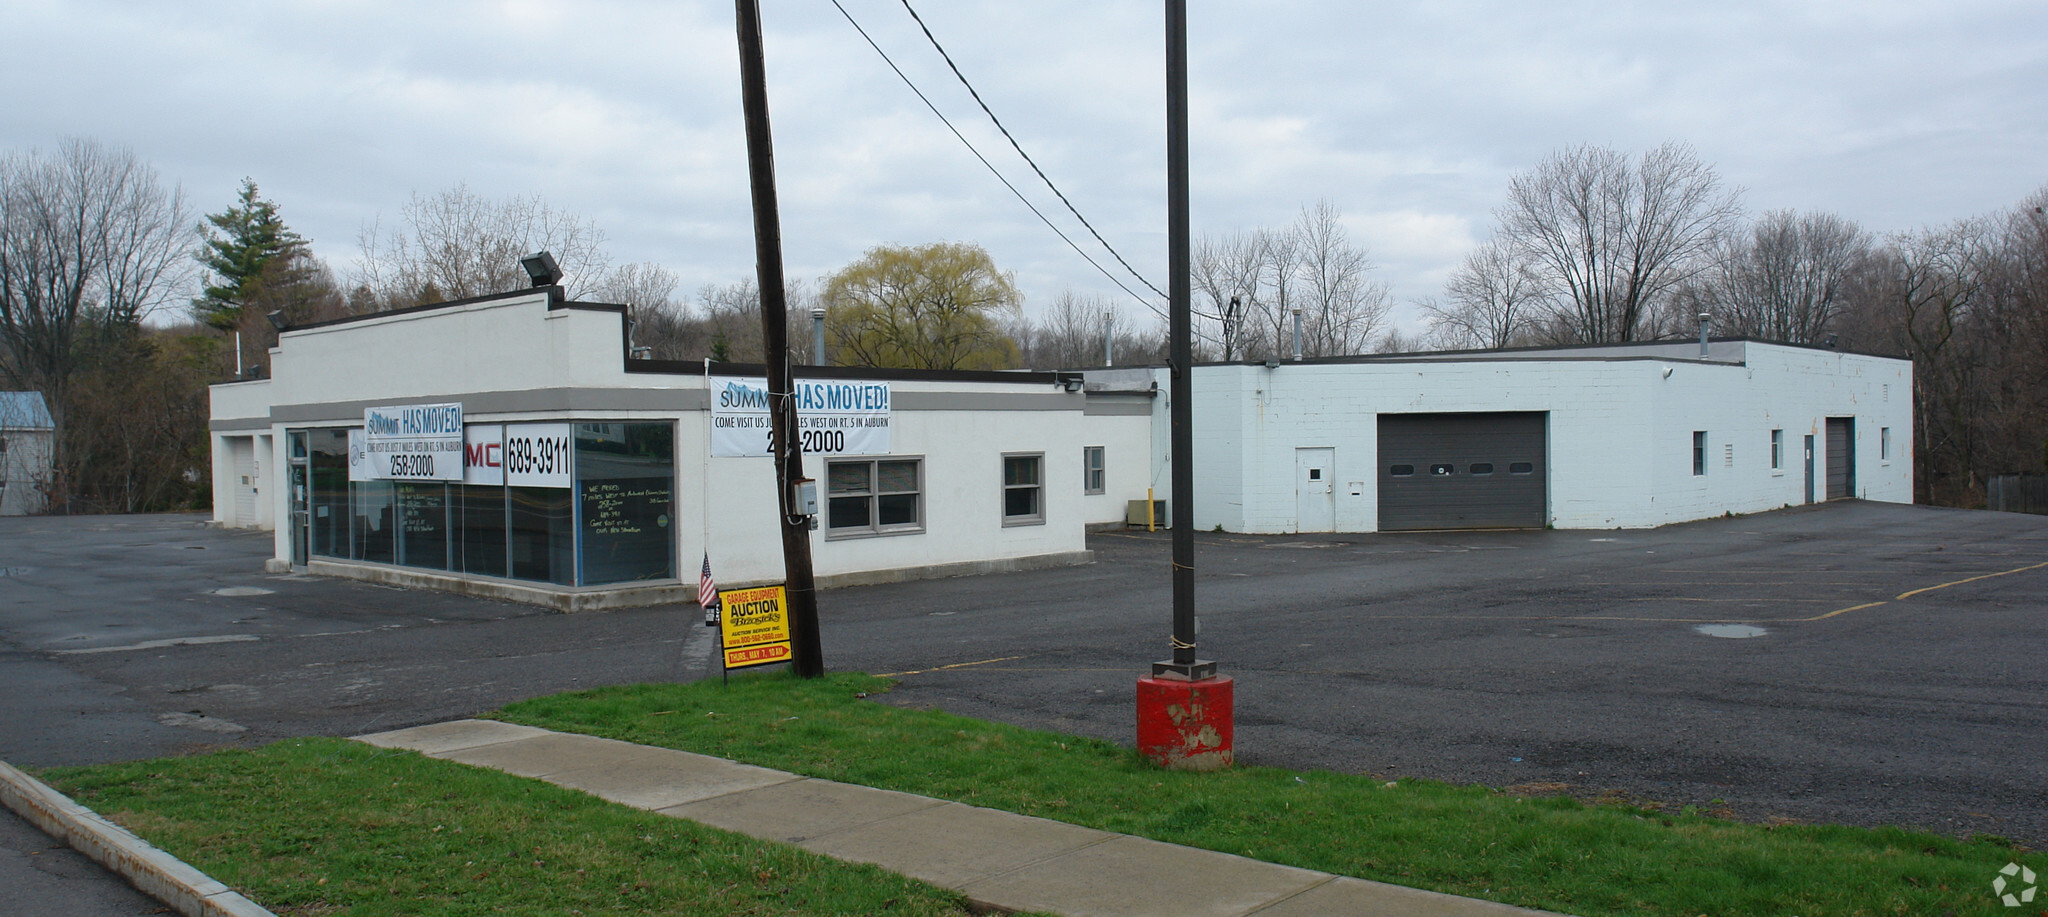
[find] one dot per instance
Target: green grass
(328, 826)
(1554, 853)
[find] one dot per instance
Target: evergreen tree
(243, 240)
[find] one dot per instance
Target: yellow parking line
(1843, 611)
(1911, 593)
(1907, 595)
(957, 665)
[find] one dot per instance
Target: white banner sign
(412, 442)
(833, 418)
(483, 454)
(537, 454)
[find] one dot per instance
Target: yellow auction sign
(755, 626)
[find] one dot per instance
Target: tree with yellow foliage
(936, 306)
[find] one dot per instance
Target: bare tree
(1488, 302)
(90, 243)
(1070, 334)
(1343, 306)
(1281, 255)
(1229, 282)
(1609, 239)
(1783, 279)
(1247, 285)
(458, 244)
(727, 323)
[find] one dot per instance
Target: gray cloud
(1410, 119)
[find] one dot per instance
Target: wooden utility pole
(808, 655)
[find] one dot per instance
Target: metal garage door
(1463, 471)
(1841, 458)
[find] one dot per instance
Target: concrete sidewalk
(1000, 860)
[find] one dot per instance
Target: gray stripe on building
(985, 401)
(532, 400)
(1114, 406)
(678, 400)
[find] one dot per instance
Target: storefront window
(543, 534)
(625, 482)
(479, 511)
(330, 510)
(376, 512)
(623, 498)
(423, 524)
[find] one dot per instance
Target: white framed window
(1093, 477)
(883, 496)
(1699, 453)
(1024, 489)
(1884, 444)
(1777, 450)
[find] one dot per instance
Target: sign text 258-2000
(536, 454)
(412, 466)
(815, 442)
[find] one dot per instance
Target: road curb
(158, 874)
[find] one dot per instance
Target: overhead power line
(1020, 150)
(999, 175)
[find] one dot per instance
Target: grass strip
(1548, 852)
(329, 826)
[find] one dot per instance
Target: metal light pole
(1184, 708)
(806, 653)
(1181, 293)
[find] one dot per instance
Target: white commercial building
(508, 446)
(1621, 436)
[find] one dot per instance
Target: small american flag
(707, 593)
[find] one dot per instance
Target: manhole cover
(1731, 631)
(243, 590)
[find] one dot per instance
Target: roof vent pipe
(1704, 317)
(817, 336)
(1108, 337)
(1297, 334)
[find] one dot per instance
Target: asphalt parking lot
(1855, 662)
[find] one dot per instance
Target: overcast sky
(1409, 117)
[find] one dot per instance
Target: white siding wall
(1620, 431)
(26, 469)
(725, 505)
(1128, 468)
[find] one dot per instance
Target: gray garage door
(1841, 458)
(1463, 471)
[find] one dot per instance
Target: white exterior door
(1314, 496)
(243, 451)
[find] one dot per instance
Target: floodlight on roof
(542, 268)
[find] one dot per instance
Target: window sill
(858, 534)
(1009, 521)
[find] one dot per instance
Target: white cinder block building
(507, 446)
(1620, 436)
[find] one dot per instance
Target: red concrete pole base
(1186, 725)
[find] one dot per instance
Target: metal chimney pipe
(1108, 337)
(1704, 318)
(817, 335)
(1297, 334)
